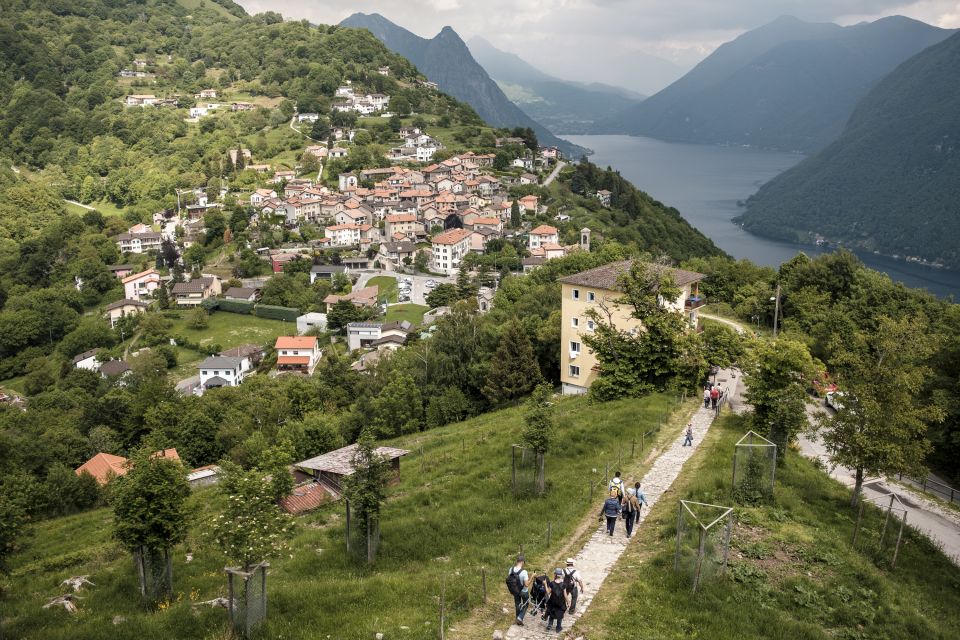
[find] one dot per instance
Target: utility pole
(776, 311)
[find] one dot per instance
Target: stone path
(601, 553)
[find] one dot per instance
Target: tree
(398, 408)
(13, 521)
(150, 517)
(538, 428)
(466, 289)
(199, 318)
(778, 374)
(252, 527)
(320, 129)
(240, 162)
(451, 405)
(421, 261)
(515, 220)
(514, 371)
(881, 424)
(723, 346)
(309, 164)
(343, 313)
(365, 487)
(443, 295)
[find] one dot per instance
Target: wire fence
(928, 485)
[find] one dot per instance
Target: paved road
(553, 174)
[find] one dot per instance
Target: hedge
(276, 313)
(237, 306)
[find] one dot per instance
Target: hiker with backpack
(573, 584)
(518, 584)
(630, 508)
(616, 484)
(641, 500)
(714, 396)
(706, 397)
(611, 510)
(557, 602)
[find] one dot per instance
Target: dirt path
(599, 556)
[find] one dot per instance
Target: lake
(705, 182)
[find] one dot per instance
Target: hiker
(573, 584)
(518, 584)
(641, 499)
(688, 440)
(630, 510)
(616, 485)
(706, 397)
(611, 510)
(557, 602)
(538, 595)
(714, 396)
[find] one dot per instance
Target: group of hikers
(714, 396)
(552, 599)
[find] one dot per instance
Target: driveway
(553, 174)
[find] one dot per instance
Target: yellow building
(599, 288)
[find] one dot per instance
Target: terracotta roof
(606, 277)
(544, 229)
(296, 342)
(340, 462)
(451, 236)
(305, 497)
(103, 466)
(401, 217)
(142, 274)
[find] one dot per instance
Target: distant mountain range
(559, 105)
(891, 181)
(446, 60)
(788, 85)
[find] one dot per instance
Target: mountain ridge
(891, 182)
(788, 85)
(446, 60)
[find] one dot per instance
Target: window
(574, 347)
(205, 373)
(574, 371)
(591, 296)
(576, 294)
(575, 322)
(590, 325)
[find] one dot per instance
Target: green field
(388, 287)
(412, 313)
(451, 517)
(793, 572)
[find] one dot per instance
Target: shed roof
(340, 461)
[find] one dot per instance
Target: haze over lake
(705, 182)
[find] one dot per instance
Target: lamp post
(776, 309)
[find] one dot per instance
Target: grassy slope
(794, 573)
(412, 313)
(442, 523)
(388, 287)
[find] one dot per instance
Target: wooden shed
(332, 467)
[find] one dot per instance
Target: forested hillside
(891, 182)
(788, 85)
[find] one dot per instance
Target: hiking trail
(599, 556)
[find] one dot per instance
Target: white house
(297, 353)
(449, 248)
(220, 371)
(347, 181)
(141, 285)
(345, 235)
(260, 195)
(308, 117)
(366, 335)
(198, 112)
(426, 152)
(139, 242)
(87, 360)
(117, 310)
(544, 234)
(310, 321)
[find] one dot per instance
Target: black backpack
(557, 600)
(568, 581)
(514, 586)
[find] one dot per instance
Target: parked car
(833, 400)
(822, 385)
(431, 283)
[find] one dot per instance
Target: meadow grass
(451, 514)
(412, 313)
(793, 572)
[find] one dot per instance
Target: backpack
(514, 585)
(557, 601)
(568, 581)
(617, 486)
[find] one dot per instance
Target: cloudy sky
(570, 38)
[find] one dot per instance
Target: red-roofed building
(106, 466)
(544, 234)
(297, 353)
(449, 248)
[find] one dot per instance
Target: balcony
(694, 302)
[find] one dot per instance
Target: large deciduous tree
(777, 377)
(514, 371)
(881, 424)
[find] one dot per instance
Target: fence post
(896, 551)
(513, 466)
(483, 578)
(549, 532)
(606, 473)
(676, 556)
(633, 447)
(591, 492)
(700, 554)
(347, 502)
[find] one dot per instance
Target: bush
(276, 313)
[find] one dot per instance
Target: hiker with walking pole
(573, 584)
(641, 500)
(557, 602)
(630, 510)
(518, 584)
